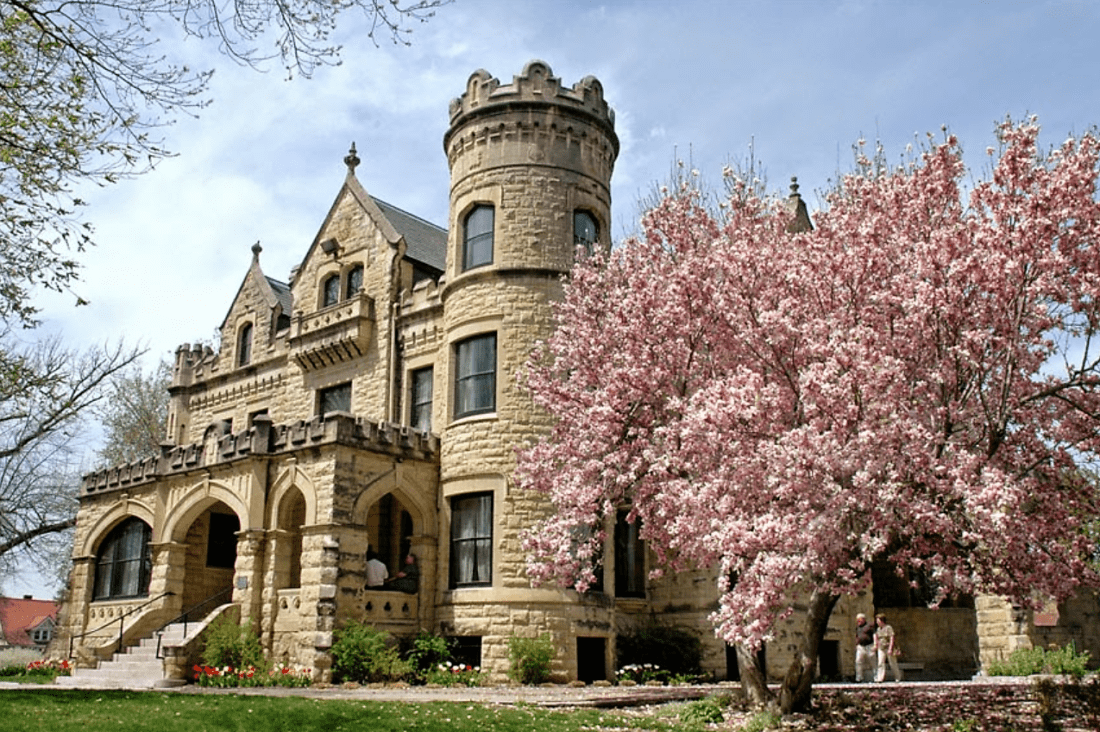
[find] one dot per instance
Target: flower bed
(229, 677)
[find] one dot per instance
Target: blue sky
(798, 81)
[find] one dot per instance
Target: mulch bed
(1042, 705)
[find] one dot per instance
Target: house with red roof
(27, 623)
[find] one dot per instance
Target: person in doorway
(376, 570)
(865, 648)
(887, 649)
(408, 579)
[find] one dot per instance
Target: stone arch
(197, 499)
(397, 517)
(118, 513)
(423, 513)
(295, 477)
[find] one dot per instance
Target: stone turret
(531, 166)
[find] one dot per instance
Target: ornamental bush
(1029, 661)
(364, 654)
(231, 645)
(530, 658)
(428, 652)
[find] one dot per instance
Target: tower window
(585, 231)
(472, 540)
(330, 291)
(476, 375)
(244, 345)
(477, 243)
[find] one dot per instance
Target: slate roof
(425, 242)
(282, 294)
(19, 617)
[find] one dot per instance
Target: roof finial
(256, 249)
(794, 186)
(351, 160)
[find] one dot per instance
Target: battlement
(536, 86)
(264, 438)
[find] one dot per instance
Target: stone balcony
(334, 334)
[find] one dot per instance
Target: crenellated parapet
(532, 121)
(266, 439)
(536, 85)
(191, 362)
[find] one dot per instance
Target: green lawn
(56, 710)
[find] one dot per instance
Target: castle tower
(531, 166)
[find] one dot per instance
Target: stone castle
(371, 403)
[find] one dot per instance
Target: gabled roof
(424, 241)
(19, 617)
(273, 292)
(282, 294)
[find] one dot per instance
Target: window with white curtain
(420, 399)
(472, 540)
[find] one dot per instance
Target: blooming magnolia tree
(916, 379)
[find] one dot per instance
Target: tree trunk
(754, 684)
(794, 694)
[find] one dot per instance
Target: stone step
(135, 668)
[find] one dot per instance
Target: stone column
(1002, 629)
(248, 573)
(169, 574)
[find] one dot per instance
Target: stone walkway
(541, 696)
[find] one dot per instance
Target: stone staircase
(135, 668)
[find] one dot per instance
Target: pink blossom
(916, 379)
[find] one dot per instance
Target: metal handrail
(185, 614)
(122, 617)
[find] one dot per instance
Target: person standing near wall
(887, 649)
(865, 648)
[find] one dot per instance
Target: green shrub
(363, 654)
(1030, 661)
(530, 658)
(704, 711)
(762, 721)
(676, 651)
(428, 652)
(232, 645)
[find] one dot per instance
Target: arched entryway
(390, 529)
(211, 555)
(291, 516)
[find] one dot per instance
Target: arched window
(355, 281)
(125, 562)
(585, 231)
(330, 291)
(244, 345)
(477, 241)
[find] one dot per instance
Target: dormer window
(330, 291)
(355, 282)
(585, 231)
(477, 242)
(244, 345)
